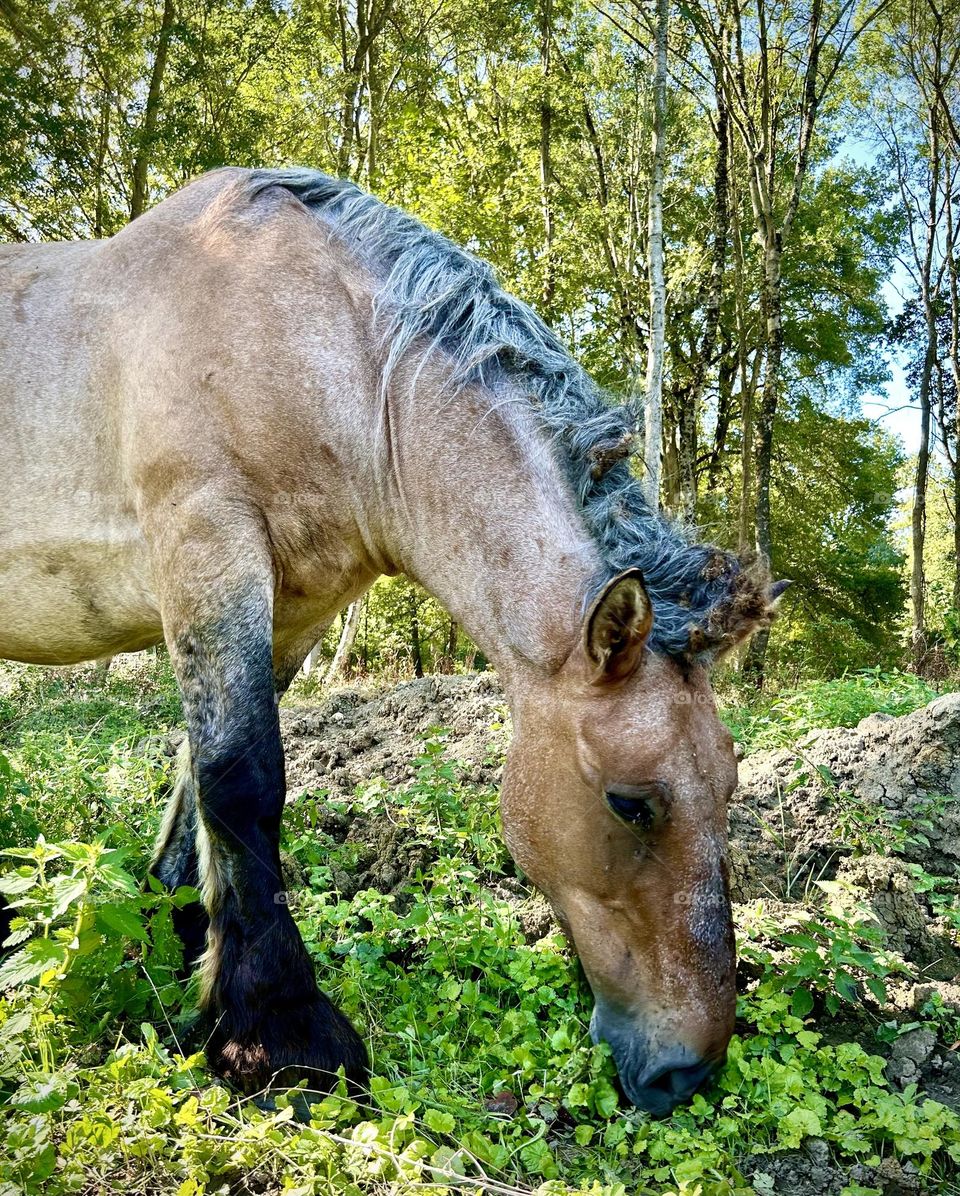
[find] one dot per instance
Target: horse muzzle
(654, 1077)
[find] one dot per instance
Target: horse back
(194, 362)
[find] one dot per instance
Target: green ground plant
(780, 717)
(484, 1073)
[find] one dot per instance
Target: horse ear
(617, 627)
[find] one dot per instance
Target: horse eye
(643, 807)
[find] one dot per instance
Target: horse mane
(433, 291)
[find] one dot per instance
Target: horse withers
(219, 427)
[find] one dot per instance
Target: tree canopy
(801, 147)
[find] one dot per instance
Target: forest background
(743, 217)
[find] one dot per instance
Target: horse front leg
(269, 1021)
(175, 860)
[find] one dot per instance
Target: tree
(783, 64)
(653, 416)
(567, 146)
(917, 56)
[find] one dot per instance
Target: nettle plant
(827, 955)
(77, 912)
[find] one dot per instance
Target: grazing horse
(219, 427)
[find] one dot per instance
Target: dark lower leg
(269, 1019)
(175, 861)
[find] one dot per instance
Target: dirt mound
(889, 785)
(887, 788)
(355, 736)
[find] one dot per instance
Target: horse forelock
(433, 292)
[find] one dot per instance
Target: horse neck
(484, 519)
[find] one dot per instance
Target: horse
(220, 426)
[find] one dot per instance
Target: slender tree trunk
(348, 91)
(360, 69)
(772, 306)
(744, 536)
(416, 649)
(953, 453)
(669, 487)
(103, 142)
(453, 637)
(753, 665)
(148, 130)
(747, 386)
(726, 376)
(918, 520)
(928, 297)
(956, 521)
(689, 447)
(689, 410)
(351, 625)
(373, 123)
(653, 416)
(546, 163)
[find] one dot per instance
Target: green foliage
(778, 719)
(75, 907)
(82, 752)
(940, 891)
(441, 109)
(834, 487)
(483, 1064)
(829, 954)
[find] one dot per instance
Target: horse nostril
(681, 1082)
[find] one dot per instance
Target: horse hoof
(311, 1043)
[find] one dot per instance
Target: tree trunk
(416, 650)
(373, 127)
(546, 164)
(956, 521)
(689, 412)
(653, 415)
(350, 89)
(453, 637)
(950, 248)
(103, 144)
(772, 306)
(747, 383)
(688, 449)
(726, 376)
(351, 625)
(918, 519)
(148, 131)
(360, 68)
(928, 296)
(669, 487)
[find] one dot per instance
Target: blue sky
(891, 407)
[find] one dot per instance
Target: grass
(776, 718)
(484, 1074)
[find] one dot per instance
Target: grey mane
(436, 292)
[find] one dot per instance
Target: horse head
(615, 804)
